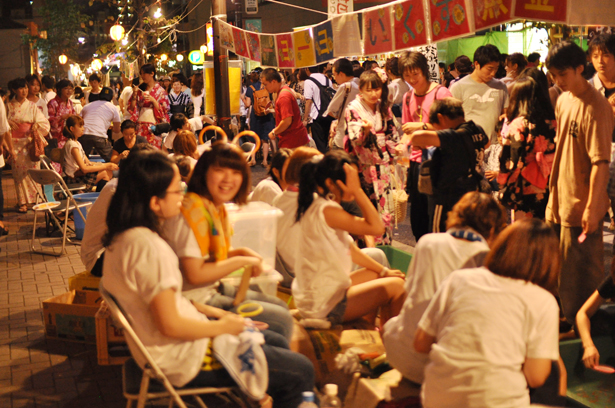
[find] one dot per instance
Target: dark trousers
(1, 197)
(102, 145)
(419, 207)
(320, 133)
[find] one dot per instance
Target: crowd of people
(508, 176)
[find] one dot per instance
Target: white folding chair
(151, 383)
(45, 203)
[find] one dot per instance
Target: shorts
(89, 179)
(336, 316)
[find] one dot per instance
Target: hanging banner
(304, 49)
(226, 36)
(335, 7)
(377, 32)
(488, 13)
(323, 42)
(241, 48)
(254, 46)
(542, 10)
(347, 36)
(449, 19)
(286, 52)
(431, 53)
(268, 54)
(409, 24)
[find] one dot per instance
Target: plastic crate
(398, 259)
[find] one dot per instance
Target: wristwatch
(424, 126)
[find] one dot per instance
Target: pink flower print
(540, 144)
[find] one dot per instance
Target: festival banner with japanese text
(488, 13)
(304, 48)
(377, 31)
(346, 36)
(335, 7)
(268, 53)
(409, 24)
(286, 52)
(226, 36)
(241, 47)
(323, 42)
(254, 45)
(543, 10)
(449, 19)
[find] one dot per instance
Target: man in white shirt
(347, 91)
(98, 117)
(47, 85)
(313, 109)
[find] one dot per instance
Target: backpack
(261, 101)
(326, 94)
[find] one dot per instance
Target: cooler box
(80, 222)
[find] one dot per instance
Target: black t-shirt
(452, 161)
(606, 290)
(608, 92)
(120, 146)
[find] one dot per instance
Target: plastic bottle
(308, 400)
(331, 400)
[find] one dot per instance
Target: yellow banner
(304, 48)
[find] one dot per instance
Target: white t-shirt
(311, 91)
(197, 101)
(70, 164)
(96, 226)
(180, 237)
(397, 88)
(195, 124)
(266, 191)
(138, 266)
(435, 257)
(322, 278)
(289, 231)
(49, 96)
(42, 105)
(345, 94)
(486, 326)
(4, 123)
(98, 116)
(125, 97)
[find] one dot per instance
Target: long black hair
(528, 100)
(144, 175)
(277, 162)
(314, 174)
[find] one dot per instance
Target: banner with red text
(543, 10)
(304, 48)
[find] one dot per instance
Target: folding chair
(151, 383)
(59, 155)
(47, 204)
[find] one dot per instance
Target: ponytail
(307, 186)
(72, 120)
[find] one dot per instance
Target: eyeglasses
(183, 188)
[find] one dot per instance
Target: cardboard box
(70, 316)
(111, 345)
(83, 281)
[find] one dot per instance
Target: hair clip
(381, 73)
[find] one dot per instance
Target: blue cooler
(80, 222)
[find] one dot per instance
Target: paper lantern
(180, 58)
(164, 57)
(117, 32)
(97, 64)
(63, 59)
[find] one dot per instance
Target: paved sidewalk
(34, 371)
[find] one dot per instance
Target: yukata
(375, 151)
(145, 116)
(29, 119)
(58, 108)
(526, 161)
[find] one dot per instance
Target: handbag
(36, 145)
(425, 184)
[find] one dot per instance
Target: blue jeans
(275, 312)
(290, 373)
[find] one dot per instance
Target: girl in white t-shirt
(142, 273)
(274, 185)
(325, 291)
(77, 167)
(491, 332)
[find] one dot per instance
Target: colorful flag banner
(542, 10)
(346, 36)
(241, 47)
(377, 32)
(409, 24)
(254, 45)
(449, 19)
(488, 13)
(226, 36)
(286, 52)
(323, 42)
(304, 48)
(268, 53)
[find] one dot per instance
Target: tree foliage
(64, 22)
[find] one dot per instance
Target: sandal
(22, 209)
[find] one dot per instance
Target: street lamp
(63, 59)
(117, 32)
(180, 58)
(163, 57)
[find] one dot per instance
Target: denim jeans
(275, 312)
(290, 373)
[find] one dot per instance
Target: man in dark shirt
(460, 149)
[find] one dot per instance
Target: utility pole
(223, 103)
